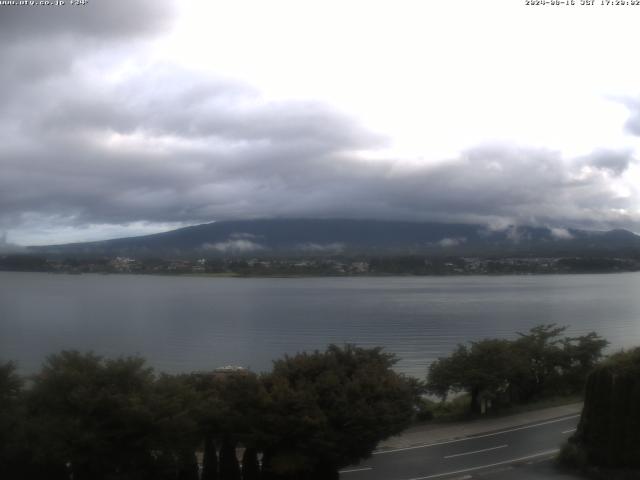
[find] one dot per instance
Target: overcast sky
(125, 117)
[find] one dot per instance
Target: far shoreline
(302, 275)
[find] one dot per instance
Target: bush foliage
(86, 417)
(499, 372)
(608, 434)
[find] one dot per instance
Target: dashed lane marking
(352, 470)
(485, 435)
(482, 467)
(476, 451)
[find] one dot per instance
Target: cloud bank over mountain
(96, 133)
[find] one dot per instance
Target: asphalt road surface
(463, 458)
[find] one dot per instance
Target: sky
(123, 117)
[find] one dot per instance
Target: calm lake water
(183, 324)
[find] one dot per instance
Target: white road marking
(570, 430)
(476, 451)
(480, 467)
(351, 470)
(427, 445)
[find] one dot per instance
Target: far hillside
(317, 237)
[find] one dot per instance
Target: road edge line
(473, 437)
(480, 467)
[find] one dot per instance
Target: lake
(182, 324)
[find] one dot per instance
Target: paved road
(462, 458)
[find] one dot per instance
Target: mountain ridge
(345, 236)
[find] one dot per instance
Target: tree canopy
(500, 372)
(334, 407)
(89, 417)
(608, 434)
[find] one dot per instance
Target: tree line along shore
(342, 265)
(83, 416)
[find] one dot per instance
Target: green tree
(541, 349)
(484, 371)
(93, 414)
(555, 364)
(187, 465)
(209, 459)
(446, 373)
(538, 363)
(14, 455)
(229, 466)
(608, 434)
(229, 413)
(250, 464)
(176, 434)
(208, 413)
(330, 409)
(582, 354)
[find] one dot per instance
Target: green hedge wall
(609, 430)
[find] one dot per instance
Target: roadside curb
(415, 437)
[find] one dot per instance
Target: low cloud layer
(334, 247)
(633, 123)
(452, 242)
(160, 144)
(234, 246)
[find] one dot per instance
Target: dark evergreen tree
(229, 466)
(250, 464)
(13, 452)
(176, 432)
(266, 469)
(209, 459)
(165, 467)
(609, 429)
(94, 414)
(330, 409)
(187, 466)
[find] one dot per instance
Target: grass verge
(457, 409)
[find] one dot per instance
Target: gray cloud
(234, 246)
(100, 18)
(6, 247)
(122, 158)
(274, 175)
(561, 233)
(613, 161)
(451, 242)
(41, 44)
(118, 157)
(633, 123)
(168, 145)
(335, 247)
